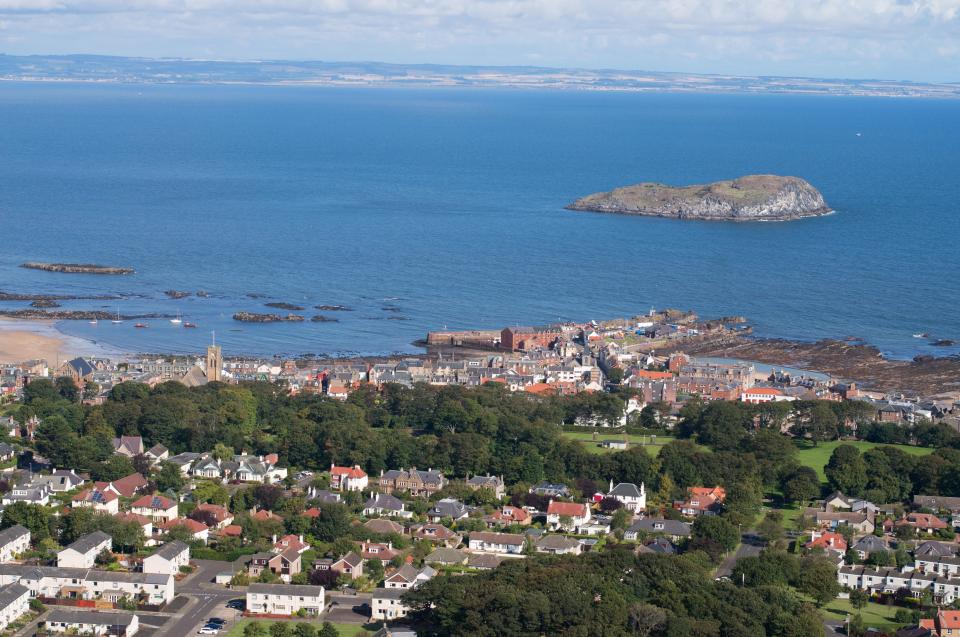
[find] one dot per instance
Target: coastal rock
(253, 317)
(320, 318)
(944, 342)
(202, 294)
(76, 268)
(750, 198)
(10, 296)
(176, 294)
(285, 306)
(42, 303)
(333, 308)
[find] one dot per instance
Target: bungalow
(702, 501)
(551, 490)
(28, 493)
(567, 515)
(384, 527)
(869, 544)
(265, 516)
(14, 603)
(483, 561)
(83, 552)
(387, 505)
(350, 564)
(436, 533)
(408, 576)
(508, 543)
(89, 622)
(127, 486)
(60, 481)
(448, 508)
(558, 545)
(826, 540)
(932, 548)
(168, 559)
(447, 557)
(197, 530)
(128, 446)
(157, 454)
(14, 540)
(98, 500)
(284, 599)
(378, 551)
(758, 395)
(861, 522)
(673, 529)
(633, 499)
(156, 507)
(508, 515)
(348, 478)
(922, 522)
(218, 515)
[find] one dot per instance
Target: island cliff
(750, 198)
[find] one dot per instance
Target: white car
(208, 630)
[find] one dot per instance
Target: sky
(888, 39)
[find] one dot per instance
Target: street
(750, 545)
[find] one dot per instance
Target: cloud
(836, 37)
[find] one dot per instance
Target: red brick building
(522, 339)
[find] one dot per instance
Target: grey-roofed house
(483, 561)
(284, 599)
(60, 480)
(494, 483)
(632, 497)
(14, 540)
(869, 544)
(558, 545)
(932, 548)
(384, 527)
(168, 559)
(447, 557)
(88, 622)
(386, 504)
(674, 529)
(551, 490)
(83, 552)
(14, 603)
(448, 508)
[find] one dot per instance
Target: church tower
(214, 361)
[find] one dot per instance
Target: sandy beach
(26, 340)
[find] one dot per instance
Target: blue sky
(890, 39)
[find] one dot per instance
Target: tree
(621, 519)
(280, 629)
(332, 523)
(91, 389)
(304, 629)
(801, 485)
(859, 598)
(327, 630)
(254, 629)
(104, 557)
(846, 471)
(716, 529)
(113, 468)
(68, 389)
(169, 477)
(818, 579)
(645, 618)
(33, 516)
(821, 422)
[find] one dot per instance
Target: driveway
(750, 545)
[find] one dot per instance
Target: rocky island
(253, 317)
(76, 268)
(750, 198)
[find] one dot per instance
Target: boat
(141, 325)
(118, 319)
(93, 322)
(921, 335)
(189, 324)
(178, 320)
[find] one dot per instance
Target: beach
(27, 340)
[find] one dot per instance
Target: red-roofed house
(98, 500)
(508, 515)
(652, 375)
(127, 486)
(348, 478)
(757, 395)
(702, 501)
(923, 523)
(312, 512)
(145, 523)
(542, 389)
(232, 530)
(578, 512)
(216, 513)
(294, 542)
(945, 624)
(198, 530)
(378, 551)
(826, 540)
(156, 507)
(264, 516)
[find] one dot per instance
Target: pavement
(750, 545)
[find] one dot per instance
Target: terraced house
(415, 482)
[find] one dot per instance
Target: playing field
(345, 630)
(650, 444)
(818, 457)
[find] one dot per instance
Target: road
(750, 545)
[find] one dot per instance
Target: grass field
(818, 457)
(593, 446)
(874, 615)
(345, 630)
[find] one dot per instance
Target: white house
(633, 498)
(558, 512)
(509, 543)
(111, 586)
(88, 622)
(386, 605)
(156, 507)
(13, 541)
(103, 501)
(408, 576)
(348, 478)
(83, 553)
(168, 559)
(14, 602)
(284, 599)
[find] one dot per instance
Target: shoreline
(22, 340)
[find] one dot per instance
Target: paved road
(206, 600)
(750, 545)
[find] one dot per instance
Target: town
(211, 495)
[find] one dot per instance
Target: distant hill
(94, 68)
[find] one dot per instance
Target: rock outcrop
(750, 198)
(253, 317)
(76, 268)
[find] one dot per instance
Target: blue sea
(426, 209)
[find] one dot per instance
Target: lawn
(345, 630)
(818, 457)
(874, 615)
(593, 444)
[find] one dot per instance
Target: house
(826, 540)
(125, 487)
(946, 622)
(509, 543)
(758, 395)
(128, 446)
(348, 478)
(89, 622)
(436, 533)
(286, 563)
(265, 516)
(29, 494)
(558, 545)
(284, 599)
(861, 522)
(259, 562)
(494, 483)
(157, 454)
(350, 564)
(145, 523)
(197, 530)
(291, 541)
(156, 507)
(408, 576)
(567, 515)
(384, 527)
(415, 482)
(60, 481)
(922, 522)
(448, 508)
(83, 552)
(257, 469)
(7, 452)
(385, 504)
(508, 515)
(868, 545)
(98, 500)
(702, 501)
(931, 548)
(447, 557)
(673, 529)
(14, 603)
(168, 559)
(14, 541)
(184, 461)
(89, 584)
(633, 498)
(484, 561)
(385, 604)
(218, 515)
(658, 544)
(378, 551)
(551, 490)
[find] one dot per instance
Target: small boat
(189, 324)
(178, 320)
(921, 335)
(141, 325)
(118, 319)
(93, 322)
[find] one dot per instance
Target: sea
(430, 209)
